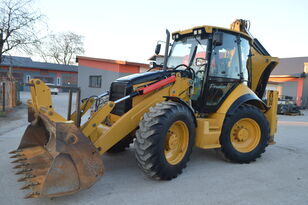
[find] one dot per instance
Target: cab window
(225, 59)
(245, 52)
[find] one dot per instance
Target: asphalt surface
(280, 176)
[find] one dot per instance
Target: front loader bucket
(56, 159)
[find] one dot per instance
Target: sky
(129, 30)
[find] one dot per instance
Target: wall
(107, 78)
(305, 92)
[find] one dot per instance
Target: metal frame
(71, 90)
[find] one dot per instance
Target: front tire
(245, 134)
(164, 140)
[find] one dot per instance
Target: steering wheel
(189, 69)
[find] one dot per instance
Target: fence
(9, 95)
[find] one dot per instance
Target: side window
(199, 66)
(225, 59)
(245, 50)
(95, 81)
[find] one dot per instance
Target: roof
(208, 29)
(26, 62)
(121, 62)
(290, 66)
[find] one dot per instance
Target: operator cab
(219, 62)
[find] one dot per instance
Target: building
(96, 74)
(290, 78)
(23, 69)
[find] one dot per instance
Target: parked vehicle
(53, 91)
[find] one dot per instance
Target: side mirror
(218, 39)
(157, 49)
(155, 65)
(200, 61)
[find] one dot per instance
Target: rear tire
(164, 140)
(245, 134)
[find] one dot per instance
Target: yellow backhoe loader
(207, 94)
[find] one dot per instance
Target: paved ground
(279, 177)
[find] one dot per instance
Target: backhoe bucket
(56, 159)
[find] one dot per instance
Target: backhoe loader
(207, 94)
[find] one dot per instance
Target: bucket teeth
(15, 151)
(24, 171)
(28, 186)
(19, 160)
(17, 156)
(32, 195)
(28, 176)
(21, 165)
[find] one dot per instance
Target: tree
(61, 48)
(18, 22)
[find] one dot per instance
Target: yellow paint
(245, 135)
(89, 128)
(271, 114)
(206, 137)
(259, 64)
(84, 107)
(176, 142)
(209, 129)
(209, 29)
(41, 101)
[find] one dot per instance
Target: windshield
(190, 51)
(187, 51)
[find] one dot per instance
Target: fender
(249, 99)
(179, 100)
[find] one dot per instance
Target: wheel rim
(245, 135)
(176, 142)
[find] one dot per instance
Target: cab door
(224, 72)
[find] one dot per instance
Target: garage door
(290, 89)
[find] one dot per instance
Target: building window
(28, 78)
(95, 81)
(58, 81)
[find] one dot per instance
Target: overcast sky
(129, 30)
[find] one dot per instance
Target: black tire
(151, 136)
(227, 148)
(122, 145)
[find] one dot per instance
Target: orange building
(95, 75)
(290, 78)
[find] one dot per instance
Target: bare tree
(61, 48)
(18, 22)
